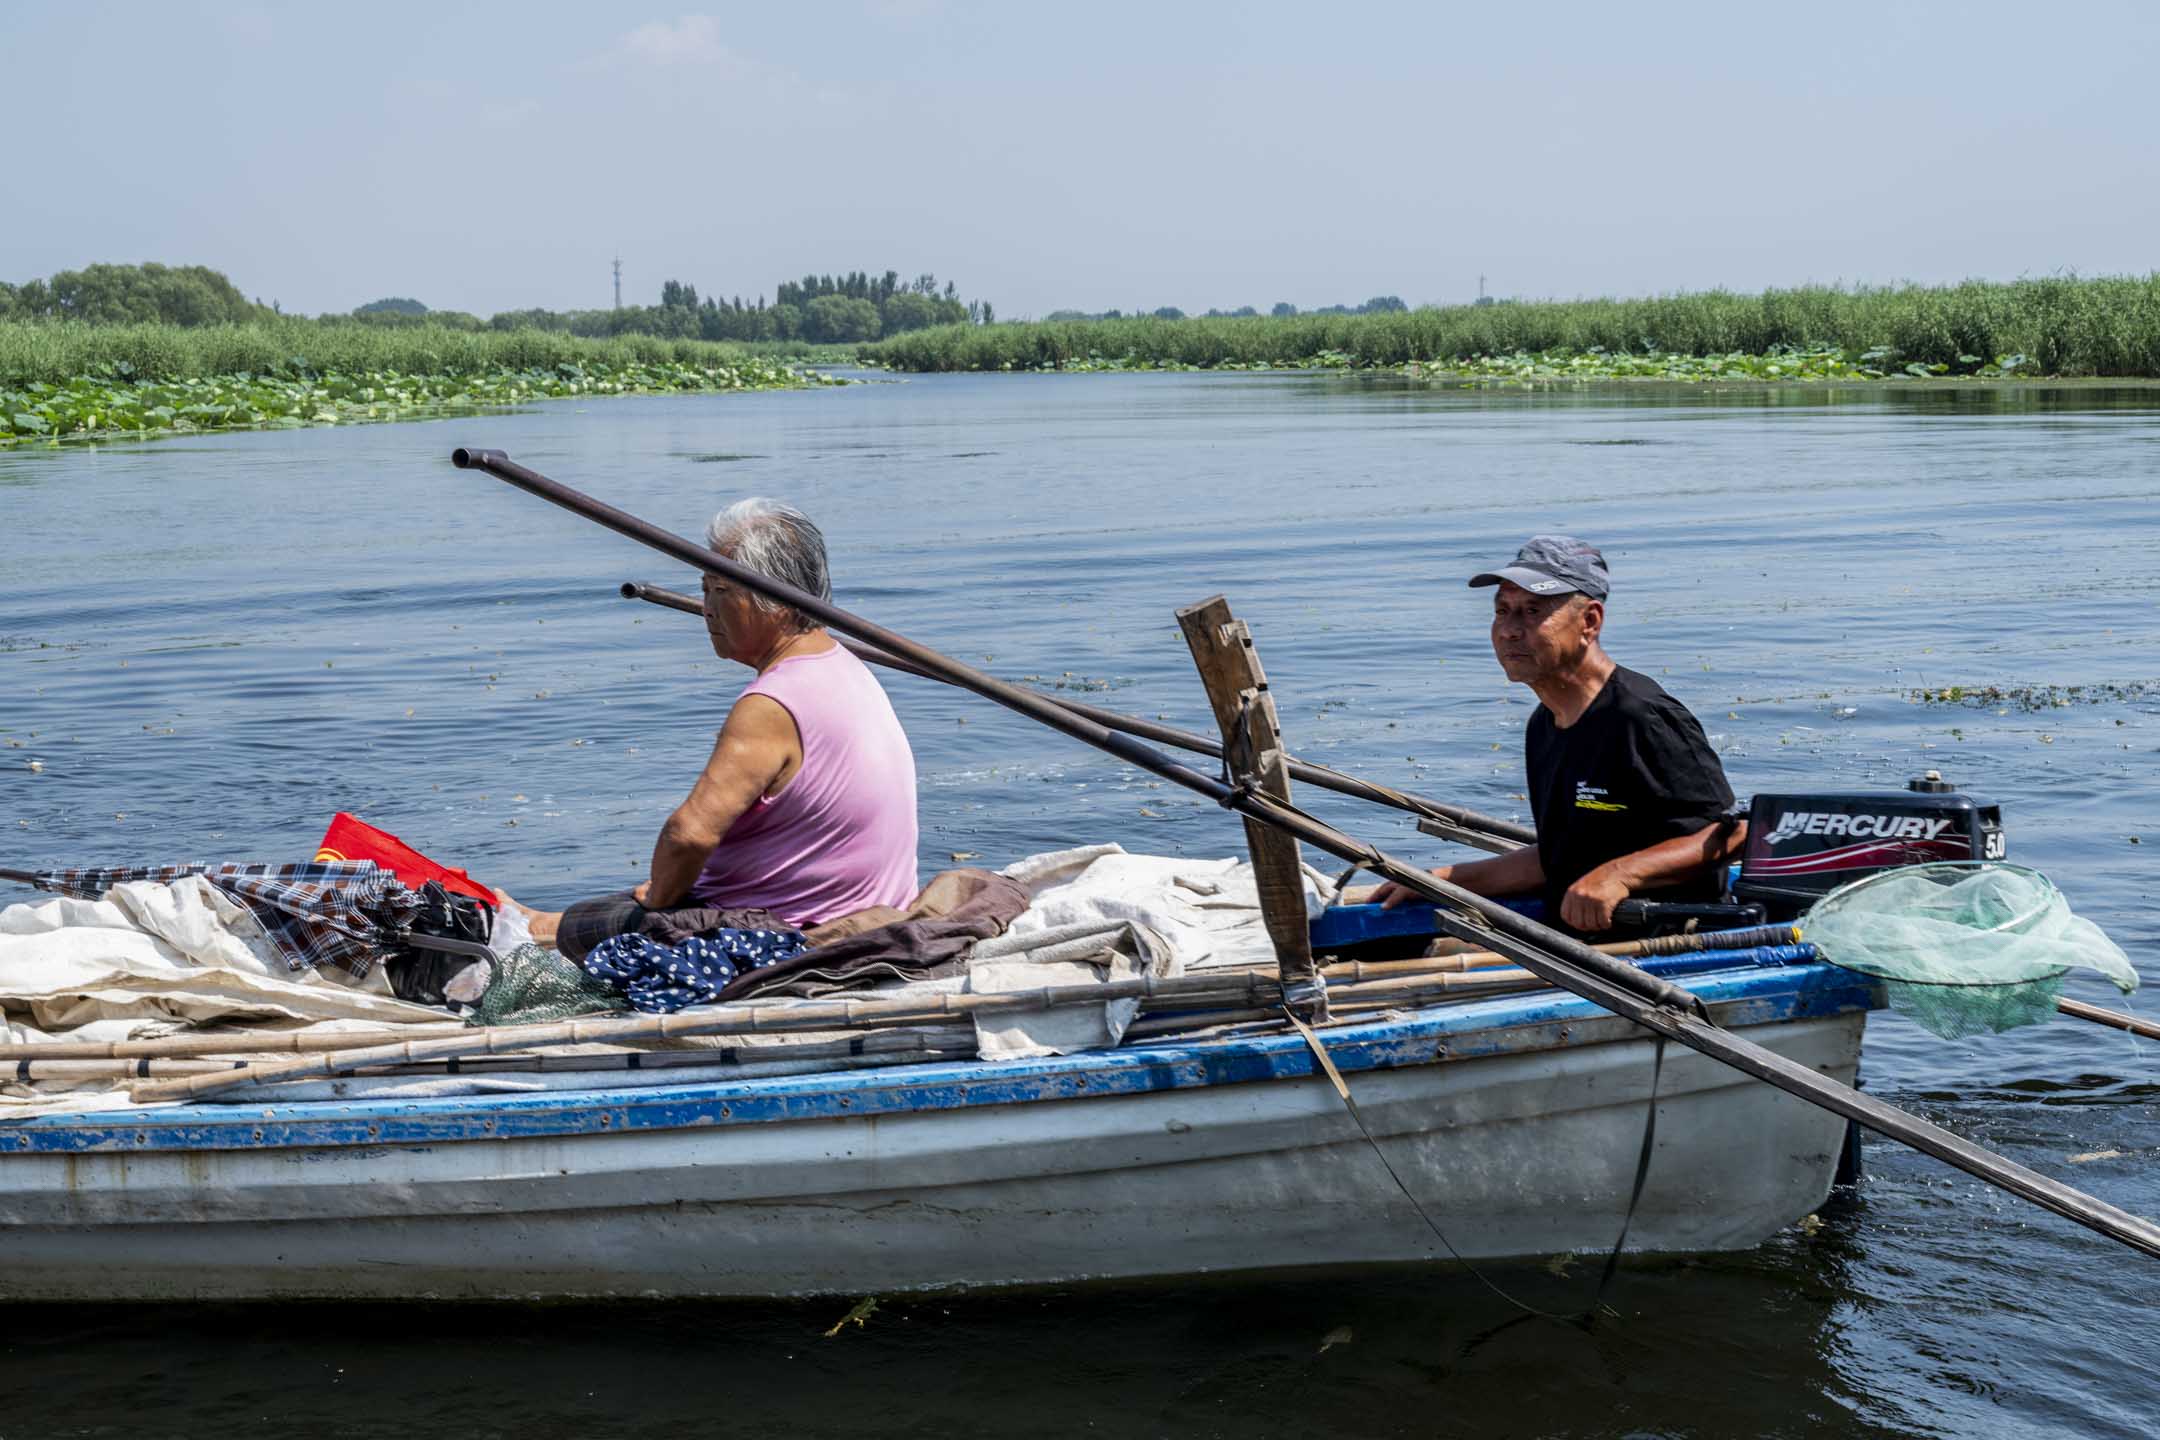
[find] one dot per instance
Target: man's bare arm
(1518, 872)
(1588, 904)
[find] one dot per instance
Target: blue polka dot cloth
(660, 979)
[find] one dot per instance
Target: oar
(1611, 984)
(1453, 822)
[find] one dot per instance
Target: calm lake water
(211, 645)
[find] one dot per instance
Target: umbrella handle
(447, 945)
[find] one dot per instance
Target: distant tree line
(1378, 305)
(819, 308)
(133, 294)
(823, 309)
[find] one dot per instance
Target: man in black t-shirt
(1627, 794)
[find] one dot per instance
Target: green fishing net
(1963, 949)
(532, 985)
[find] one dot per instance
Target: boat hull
(1517, 1138)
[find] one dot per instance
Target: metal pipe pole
(1561, 960)
(1486, 832)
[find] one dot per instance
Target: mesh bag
(1963, 949)
(532, 985)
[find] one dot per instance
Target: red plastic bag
(351, 838)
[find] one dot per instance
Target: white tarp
(150, 960)
(1097, 913)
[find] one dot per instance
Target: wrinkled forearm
(1679, 859)
(1518, 872)
(678, 856)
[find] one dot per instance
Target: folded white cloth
(1098, 914)
(149, 959)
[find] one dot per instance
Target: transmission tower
(618, 282)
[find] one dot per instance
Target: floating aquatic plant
(2034, 697)
(109, 403)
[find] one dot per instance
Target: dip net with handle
(1963, 948)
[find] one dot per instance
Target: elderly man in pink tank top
(806, 810)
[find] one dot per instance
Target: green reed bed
(2053, 327)
(66, 381)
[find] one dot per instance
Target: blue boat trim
(1509, 1025)
(1343, 925)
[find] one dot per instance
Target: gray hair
(779, 542)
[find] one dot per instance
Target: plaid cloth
(344, 913)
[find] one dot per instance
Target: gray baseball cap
(1554, 565)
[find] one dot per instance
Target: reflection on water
(210, 645)
(1211, 1358)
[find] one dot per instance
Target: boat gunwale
(1506, 1025)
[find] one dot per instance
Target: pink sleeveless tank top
(840, 836)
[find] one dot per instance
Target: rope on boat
(1589, 1313)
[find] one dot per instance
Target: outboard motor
(1801, 847)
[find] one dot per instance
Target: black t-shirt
(1633, 770)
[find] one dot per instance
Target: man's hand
(1588, 904)
(643, 894)
(1390, 895)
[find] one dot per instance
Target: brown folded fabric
(928, 939)
(854, 924)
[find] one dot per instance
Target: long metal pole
(1561, 960)
(1486, 832)
(1468, 826)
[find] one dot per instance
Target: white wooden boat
(1516, 1121)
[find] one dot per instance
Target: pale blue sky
(485, 157)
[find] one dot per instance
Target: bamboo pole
(261, 1042)
(258, 1044)
(895, 1045)
(1356, 986)
(941, 1042)
(876, 1048)
(25, 1071)
(1491, 971)
(1190, 992)
(2115, 1018)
